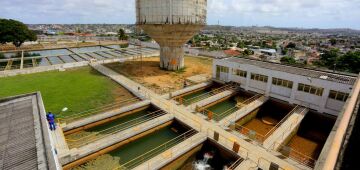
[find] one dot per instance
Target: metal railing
(90, 112)
(228, 143)
(297, 156)
(203, 96)
(156, 151)
(260, 138)
(220, 116)
(235, 164)
(76, 143)
(295, 109)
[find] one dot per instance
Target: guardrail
(293, 154)
(152, 153)
(76, 143)
(227, 143)
(217, 117)
(195, 99)
(235, 164)
(90, 112)
(297, 156)
(260, 138)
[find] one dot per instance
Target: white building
(322, 91)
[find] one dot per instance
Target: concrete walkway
(187, 90)
(211, 99)
(247, 150)
(60, 143)
(286, 128)
(225, 122)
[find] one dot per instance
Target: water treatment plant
(112, 112)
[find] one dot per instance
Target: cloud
(294, 13)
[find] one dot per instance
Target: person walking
(51, 119)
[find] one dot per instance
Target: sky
(277, 13)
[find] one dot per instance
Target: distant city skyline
(276, 13)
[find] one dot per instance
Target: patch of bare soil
(148, 73)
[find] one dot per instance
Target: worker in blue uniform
(51, 119)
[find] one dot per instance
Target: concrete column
(171, 58)
(22, 60)
(268, 87)
(324, 98)
(293, 92)
(248, 76)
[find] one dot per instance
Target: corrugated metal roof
(339, 78)
(21, 142)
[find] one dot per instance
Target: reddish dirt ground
(151, 76)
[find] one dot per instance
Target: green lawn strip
(78, 89)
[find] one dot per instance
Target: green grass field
(78, 89)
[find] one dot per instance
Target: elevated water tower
(171, 23)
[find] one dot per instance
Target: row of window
(289, 84)
(310, 89)
(338, 95)
(240, 73)
(283, 83)
(259, 77)
(222, 69)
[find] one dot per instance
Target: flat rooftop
(22, 131)
(318, 74)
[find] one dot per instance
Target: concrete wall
(293, 96)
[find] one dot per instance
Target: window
(222, 69)
(240, 73)
(283, 83)
(336, 95)
(259, 77)
(311, 89)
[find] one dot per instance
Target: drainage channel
(138, 149)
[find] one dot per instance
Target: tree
(350, 62)
(329, 58)
(2, 56)
(288, 60)
(122, 35)
(284, 51)
(15, 32)
(241, 44)
(332, 41)
(291, 45)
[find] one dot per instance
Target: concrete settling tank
(171, 23)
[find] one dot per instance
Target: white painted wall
(281, 91)
(319, 103)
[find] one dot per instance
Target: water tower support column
(171, 58)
